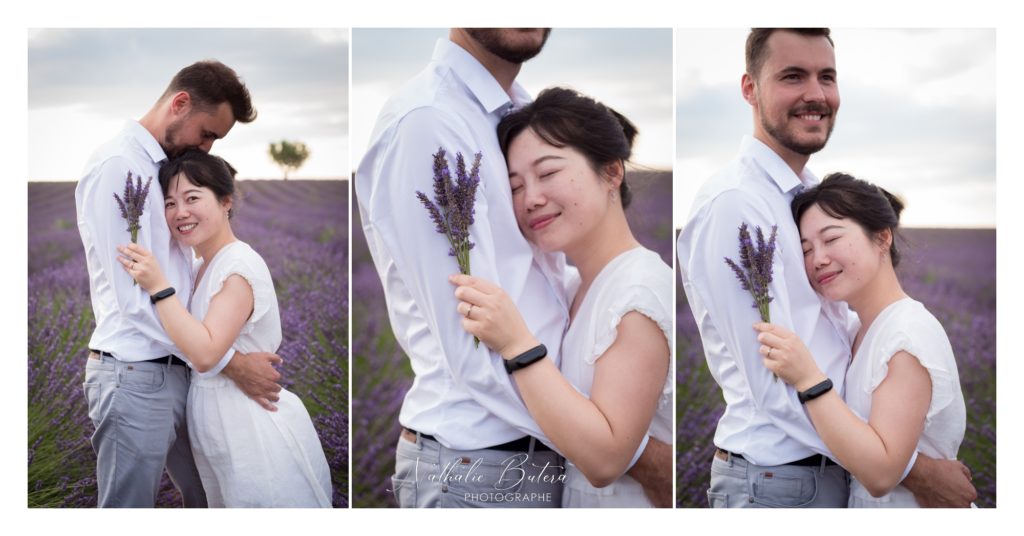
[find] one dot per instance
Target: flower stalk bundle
(133, 204)
(754, 270)
(452, 207)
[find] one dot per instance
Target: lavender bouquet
(133, 204)
(755, 267)
(452, 208)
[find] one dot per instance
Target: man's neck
(151, 123)
(796, 161)
(504, 72)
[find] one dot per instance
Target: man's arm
(400, 167)
(653, 470)
(940, 483)
(703, 247)
(108, 229)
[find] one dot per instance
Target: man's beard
(170, 145)
(491, 40)
(780, 134)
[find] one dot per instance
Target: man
(467, 438)
(764, 441)
(136, 381)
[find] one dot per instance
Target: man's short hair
(757, 44)
(209, 83)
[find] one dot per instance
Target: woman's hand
(490, 315)
(141, 265)
(785, 355)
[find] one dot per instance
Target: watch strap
(165, 293)
(526, 358)
(815, 392)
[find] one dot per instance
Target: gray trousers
(429, 475)
(737, 483)
(138, 410)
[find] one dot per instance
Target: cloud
(83, 79)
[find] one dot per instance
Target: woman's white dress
(248, 456)
(636, 280)
(906, 325)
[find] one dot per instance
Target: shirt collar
(485, 89)
(147, 141)
(776, 168)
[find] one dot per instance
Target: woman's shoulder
(910, 317)
(908, 326)
(240, 257)
(640, 267)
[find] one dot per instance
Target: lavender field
(953, 273)
(299, 227)
(380, 371)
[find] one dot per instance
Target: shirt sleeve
(731, 308)
(108, 229)
(420, 254)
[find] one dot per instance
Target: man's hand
(653, 470)
(940, 483)
(255, 375)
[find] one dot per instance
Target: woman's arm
(875, 452)
(600, 434)
(206, 342)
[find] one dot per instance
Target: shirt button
(444, 488)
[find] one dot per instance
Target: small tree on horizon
(289, 155)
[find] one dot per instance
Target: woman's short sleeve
(932, 350)
(253, 269)
(644, 300)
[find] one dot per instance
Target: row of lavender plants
(381, 374)
(953, 273)
(299, 227)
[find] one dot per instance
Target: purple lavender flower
(754, 270)
(133, 204)
(452, 208)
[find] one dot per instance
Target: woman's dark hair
(201, 169)
(563, 117)
(843, 196)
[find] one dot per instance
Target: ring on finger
(470, 310)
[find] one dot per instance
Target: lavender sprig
(133, 204)
(452, 208)
(754, 270)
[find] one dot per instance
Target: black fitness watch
(526, 358)
(165, 293)
(815, 392)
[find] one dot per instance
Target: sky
(83, 84)
(917, 117)
(627, 69)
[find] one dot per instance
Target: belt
(522, 444)
(810, 461)
(174, 360)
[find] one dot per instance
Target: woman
(247, 456)
(902, 387)
(566, 157)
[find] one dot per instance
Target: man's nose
(814, 92)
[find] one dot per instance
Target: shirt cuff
(913, 460)
(639, 451)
